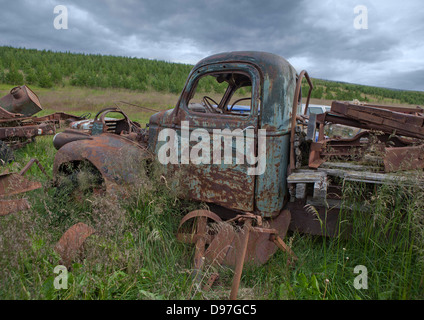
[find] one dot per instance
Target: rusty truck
(255, 95)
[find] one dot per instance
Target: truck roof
(278, 83)
(267, 62)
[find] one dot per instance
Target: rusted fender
(71, 242)
(118, 159)
(69, 135)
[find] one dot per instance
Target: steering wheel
(100, 118)
(235, 102)
(207, 102)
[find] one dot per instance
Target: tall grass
(134, 253)
(387, 239)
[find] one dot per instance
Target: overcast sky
(385, 47)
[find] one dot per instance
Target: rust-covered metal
(115, 148)
(251, 214)
(9, 206)
(4, 114)
(273, 83)
(69, 135)
(26, 131)
(394, 133)
(12, 184)
(296, 98)
(71, 243)
(118, 159)
(241, 240)
(21, 101)
(404, 158)
(382, 119)
(18, 126)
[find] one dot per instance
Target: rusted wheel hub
(243, 239)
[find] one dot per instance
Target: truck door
(217, 125)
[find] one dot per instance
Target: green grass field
(134, 253)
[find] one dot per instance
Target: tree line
(47, 69)
(333, 90)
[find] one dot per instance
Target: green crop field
(134, 253)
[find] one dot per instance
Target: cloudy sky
(381, 44)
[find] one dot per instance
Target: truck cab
(251, 90)
(250, 98)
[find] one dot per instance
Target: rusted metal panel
(382, 119)
(273, 85)
(70, 244)
(27, 131)
(8, 115)
(15, 183)
(69, 135)
(306, 221)
(404, 158)
(118, 159)
(13, 205)
(271, 187)
(226, 185)
(21, 100)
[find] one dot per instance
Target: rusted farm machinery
(19, 127)
(250, 214)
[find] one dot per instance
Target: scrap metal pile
(19, 127)
(393, 137)
(368, 144)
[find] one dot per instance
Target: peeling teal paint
(273, 86)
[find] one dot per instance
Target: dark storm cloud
(316, 35)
